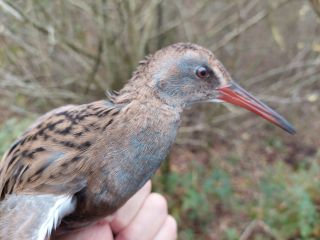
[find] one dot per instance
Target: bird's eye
(202, 72)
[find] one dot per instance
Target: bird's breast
(124, 160)
(143, 154)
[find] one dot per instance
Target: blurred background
(230, 175)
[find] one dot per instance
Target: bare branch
(316, 6)
(246, 25)
(20, 15)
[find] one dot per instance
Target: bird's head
(183, 74)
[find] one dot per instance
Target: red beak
(236, 95)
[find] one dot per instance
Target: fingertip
(123, 216)
(172, 226)
(99, 230)
(169, 230)
(158, 202)
(149, 220)
(147, 187)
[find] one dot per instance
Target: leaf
(307, 215)
(313, 97)
(277, 36)
(316, 47)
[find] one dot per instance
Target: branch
(283, 69)
(246, 25)
(316, 6)
(258, 224)
(92, 75)
(21, 16)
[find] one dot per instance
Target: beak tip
(290, 129)
(236, 95)
(285, 125)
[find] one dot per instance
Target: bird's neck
(150, 130)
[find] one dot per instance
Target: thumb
(98, 231)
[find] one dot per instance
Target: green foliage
(276, 143)
(231, 234)
(289, 202)
(219, 184)
(194, 197)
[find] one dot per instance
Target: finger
(127, 212)
(98, 231)
(168, 230)
(148, 221)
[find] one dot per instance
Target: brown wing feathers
(58, 139)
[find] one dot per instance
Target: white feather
(63, 206)
(33, 217)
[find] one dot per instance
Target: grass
(285, 200)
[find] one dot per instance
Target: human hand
(144, 217)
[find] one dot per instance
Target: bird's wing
(32, 217)
(46, 166)
(49, 114)
(50, 158)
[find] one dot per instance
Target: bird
(79, 163)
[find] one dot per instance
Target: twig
(92, 75)
(20, 15)
(228, 19)
(283, 69)
(256, 224)
(316, 6)
(245, 26)
(192, 142)
(172, 25)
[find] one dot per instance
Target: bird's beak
(233, 93)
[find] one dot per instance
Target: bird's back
(46, 149)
